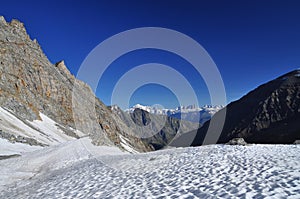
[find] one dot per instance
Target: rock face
(30, 84)
(268, 114)
(141, 117)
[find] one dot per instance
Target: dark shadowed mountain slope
(268, 114)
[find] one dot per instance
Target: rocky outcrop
(237, 141)
(30, 84)
(297, 142)
(21, 139)
(268, 114)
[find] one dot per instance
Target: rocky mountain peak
(30, 85)
(13, 23)
(17, 28)
(64, 70)
(17, 24)
(2, 20)
(141, 117)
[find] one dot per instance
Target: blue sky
(251, 42)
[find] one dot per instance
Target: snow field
(215, 171)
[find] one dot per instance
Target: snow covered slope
(18, 135)
(21, 169)
(7, 148)
(215, 171)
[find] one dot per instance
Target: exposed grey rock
(297, 142)
(68, 131)
(25, 140)
(237, 141)
(30, 84)
(3, 157)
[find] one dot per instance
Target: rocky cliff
(30, 85)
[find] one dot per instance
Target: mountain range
(37, 103)
(190, 113)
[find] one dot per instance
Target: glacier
(78, 169)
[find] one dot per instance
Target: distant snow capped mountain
(190, 113)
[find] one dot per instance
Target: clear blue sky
(251, 42)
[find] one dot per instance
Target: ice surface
(19, 170)
(8, 148)
(216, 171)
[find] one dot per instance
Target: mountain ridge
(268, 114)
